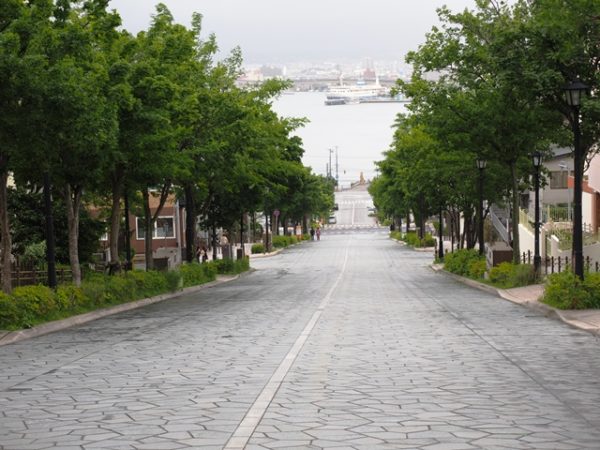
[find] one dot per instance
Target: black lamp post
(573, 94)
(481, 165)
(537, 259)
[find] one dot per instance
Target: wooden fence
(26, 275)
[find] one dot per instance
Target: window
(163, 228)
(558, 179)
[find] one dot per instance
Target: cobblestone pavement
(348, 343)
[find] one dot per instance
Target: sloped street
(350, 342)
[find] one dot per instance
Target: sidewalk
(586, 319)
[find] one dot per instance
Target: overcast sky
(283, 31)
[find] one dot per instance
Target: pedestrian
(199, 254)
(312, 233)
(318, 233)
(204, 254)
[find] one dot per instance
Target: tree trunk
(515, 214)
(305, 224)
(214, 241)
(73, 203)
(115, 223)
(407, 221)
(190, 223)
(469, 231)
(148, 230)
(50, 238)
(5, 237)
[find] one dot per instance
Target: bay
(361, 132)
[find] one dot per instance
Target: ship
(351, 94)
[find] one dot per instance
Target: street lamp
(481, 165)
(537, 260)
(573, 94)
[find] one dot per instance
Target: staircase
(500, 221)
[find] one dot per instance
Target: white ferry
(358, 93)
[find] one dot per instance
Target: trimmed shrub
(224, 265)
(93, 292)
(566, 291)
(194, 274)
(30, 305)
(231, 266)
(508, 275)
(34, 303)
(428, 241)
(591, 283)
(257, 248)
(119, 289)
(477, 269)
(500, 275)
(9, 315)
(148, 283)
(412, 239)
(174, 280)
(459, 262)
(396, 235)
(69, 297)
(284, 241)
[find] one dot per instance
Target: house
(168, 236)
(556, 208)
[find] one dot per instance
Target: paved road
(353, 209)
(348, 343)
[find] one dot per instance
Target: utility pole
(337, 171)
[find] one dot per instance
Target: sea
(359, 133)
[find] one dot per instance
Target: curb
(15, 336)
(534, 305)
(266, 255)
(415, 249)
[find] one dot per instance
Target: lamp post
(537, 260)
(573, 94)
(481, 165)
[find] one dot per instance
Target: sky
(285, 31)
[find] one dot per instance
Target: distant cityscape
(310, 76)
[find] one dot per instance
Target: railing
(556, 213)
(564, 234)
(551, 265)
(499, 226)
(524, 220)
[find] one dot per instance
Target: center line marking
(245, 429)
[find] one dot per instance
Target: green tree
(480, 55)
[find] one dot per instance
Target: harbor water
(361, 132)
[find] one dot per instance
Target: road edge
(535, 305)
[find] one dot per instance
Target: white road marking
(240, 437)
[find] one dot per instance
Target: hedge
(412, 239)
(28, 306)
(566, 291)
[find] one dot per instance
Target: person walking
(312, 233)
(318, 233)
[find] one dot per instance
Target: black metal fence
(551, 265)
